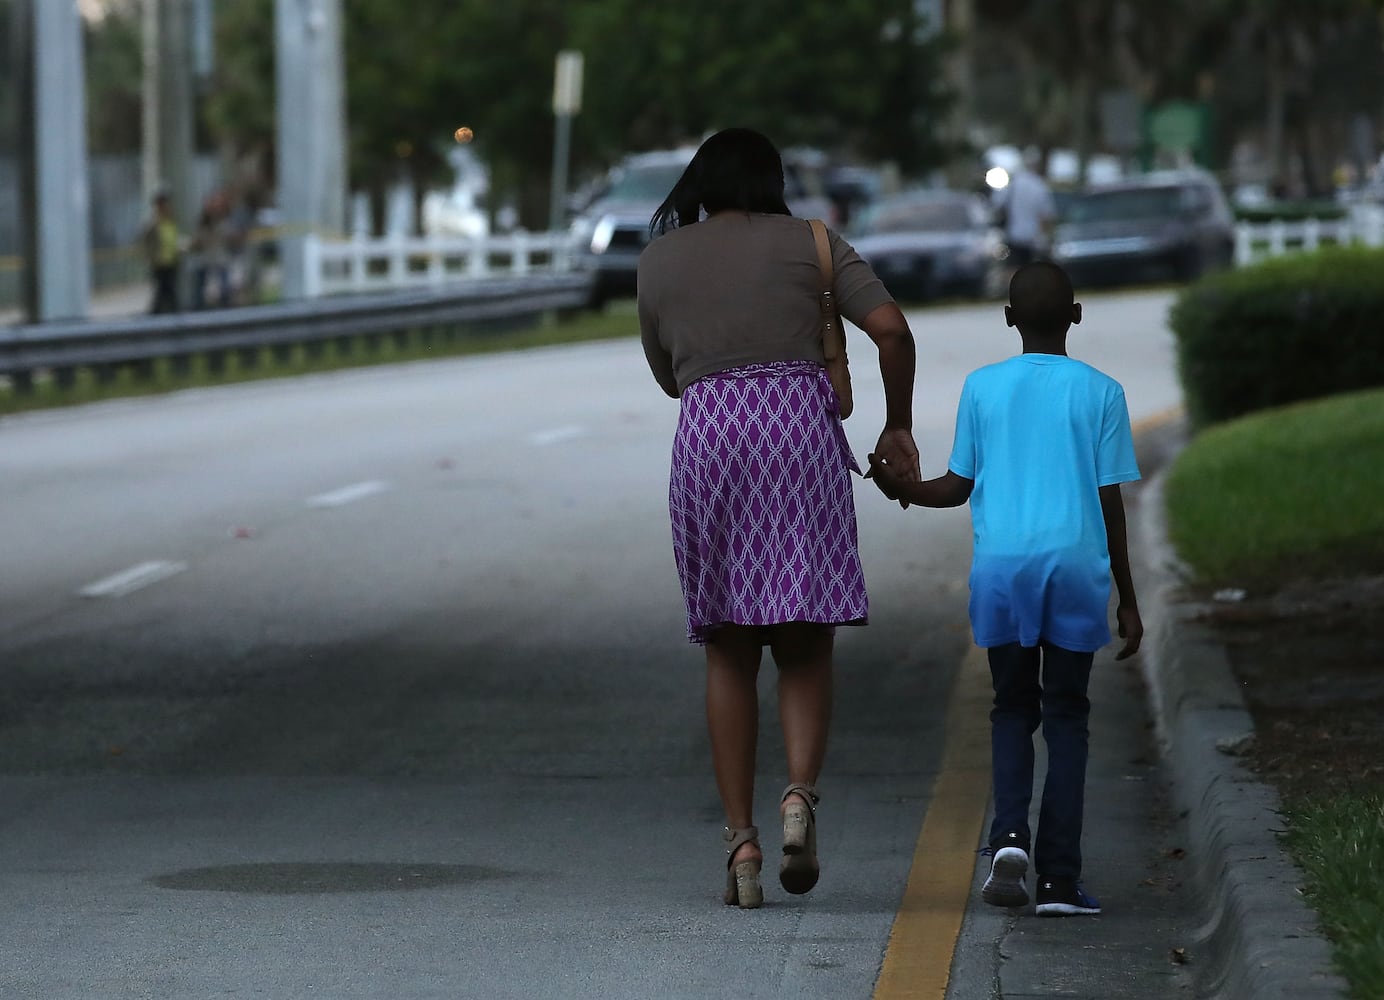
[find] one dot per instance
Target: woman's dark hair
(737, 168)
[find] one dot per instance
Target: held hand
(885, 478)
(1131, 630)
(897, 451)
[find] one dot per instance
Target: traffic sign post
(567, 79)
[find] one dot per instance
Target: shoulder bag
(833, 334)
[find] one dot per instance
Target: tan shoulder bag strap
(833, 334)
(826, 293)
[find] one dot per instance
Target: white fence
(360, 265)
(1257, 240)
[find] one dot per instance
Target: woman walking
(760, 494)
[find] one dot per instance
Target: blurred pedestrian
(760, 498)
(212, 249)
(1028, 212)
(163, 250)
(241, 286)
(1042, 444)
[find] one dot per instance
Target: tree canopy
(1297, 77)
(856, 78)
(850, 75)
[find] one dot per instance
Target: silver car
(613, 229)
(929, 243)
(1155, 227)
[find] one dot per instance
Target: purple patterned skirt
(762, 507)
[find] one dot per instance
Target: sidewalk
(1259, 939)
(1180, 848)
(109, 303)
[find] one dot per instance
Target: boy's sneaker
(1005, 886)
(1064, 897)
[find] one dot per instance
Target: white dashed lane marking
(556, 435)
(348, 494)
(132, 579)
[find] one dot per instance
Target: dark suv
(613, 229)
(1155, 227)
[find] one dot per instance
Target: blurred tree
(1286, 72)
(114, 66)
(858, 75)
(1317, 68)
(862, 76)
(238, 109)
(1043, 62)
(415, 74)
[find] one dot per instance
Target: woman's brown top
(740, 289)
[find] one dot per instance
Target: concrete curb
(1260, 940)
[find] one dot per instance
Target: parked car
(1155, 227)
(928, 243)
(613, 229)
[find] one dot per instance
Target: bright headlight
(600, 236)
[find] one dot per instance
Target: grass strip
(162, 375)
(1293, 491)
(1339, 843)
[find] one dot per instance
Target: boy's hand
(885, 477)
(1131, 630)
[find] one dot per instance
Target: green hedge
(1290, 211)
(1291, 328)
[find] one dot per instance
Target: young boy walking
(1042, 444)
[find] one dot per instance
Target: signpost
(566, 103)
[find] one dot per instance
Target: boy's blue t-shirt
(1040, 434)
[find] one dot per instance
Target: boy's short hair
(1041, 297)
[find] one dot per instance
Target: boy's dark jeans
(1040, 685)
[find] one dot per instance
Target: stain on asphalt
(299, 878)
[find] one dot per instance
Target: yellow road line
(917, 961)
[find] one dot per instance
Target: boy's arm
(1127, 612)
(949, 490)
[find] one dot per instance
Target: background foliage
(861, 79)
(655, 75)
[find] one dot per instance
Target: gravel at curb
(1259, 939)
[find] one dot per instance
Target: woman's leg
(732, 716)
(802, 652)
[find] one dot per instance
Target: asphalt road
(373, 684)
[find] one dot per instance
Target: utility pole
(311, 144)
(168, 107)
(54, 198)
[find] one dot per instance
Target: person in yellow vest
(163, 249)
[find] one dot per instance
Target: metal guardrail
(107, 345)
